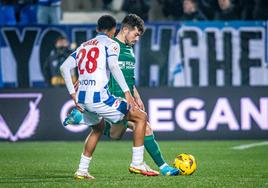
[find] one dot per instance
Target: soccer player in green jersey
(132, 27)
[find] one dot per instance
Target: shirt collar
(102, 34)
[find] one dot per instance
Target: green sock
(153, 149)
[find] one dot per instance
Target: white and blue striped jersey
(95, 59)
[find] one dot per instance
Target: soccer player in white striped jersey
(95, 60)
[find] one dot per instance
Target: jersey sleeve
(113, 49)
(112, 59)
(65, 68)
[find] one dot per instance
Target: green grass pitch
(52, 164)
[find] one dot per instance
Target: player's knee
(137, 115)
(143, 116)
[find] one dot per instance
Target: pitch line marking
(246, 146)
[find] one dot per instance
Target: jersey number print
(91, 60)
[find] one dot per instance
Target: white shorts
(112, 110)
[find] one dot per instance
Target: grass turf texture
(52, 164)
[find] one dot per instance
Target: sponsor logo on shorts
(117, 103)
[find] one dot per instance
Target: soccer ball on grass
(186, 163)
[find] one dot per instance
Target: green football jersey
(126, 62)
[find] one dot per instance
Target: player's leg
(93, 138)
(139, 118)
(90, 145)
(154, 151)
(152, 147)
(116, 131)
(137, 166)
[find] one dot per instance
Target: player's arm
(138, 98)
(65, 69)
(113, 53)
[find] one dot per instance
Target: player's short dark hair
(131, 21)
(106, 22)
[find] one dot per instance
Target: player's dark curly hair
(131, 21)
(106, 22)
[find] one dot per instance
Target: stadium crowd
(50, 11)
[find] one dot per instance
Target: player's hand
(130, 99)
(140, 103)
(81, 109)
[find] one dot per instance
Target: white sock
(163, 165)
(137, 155)
(84, 163)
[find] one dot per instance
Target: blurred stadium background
(201, 69)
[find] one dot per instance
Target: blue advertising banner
(219, 54)
(179, 54)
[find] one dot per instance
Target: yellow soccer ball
(186, 163)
